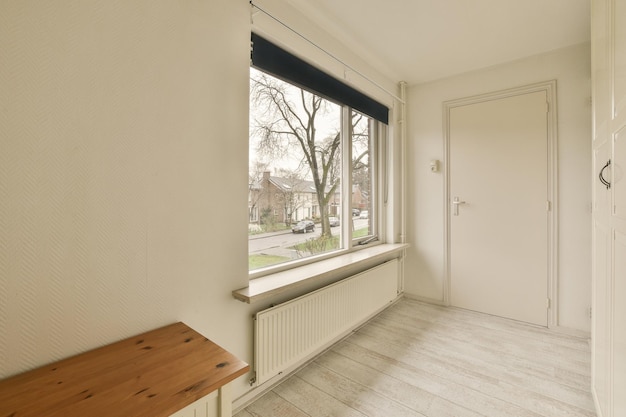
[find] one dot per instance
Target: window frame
(378, 130)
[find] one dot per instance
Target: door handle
(456, 203)
(602, 179)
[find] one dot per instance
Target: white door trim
(552, 203)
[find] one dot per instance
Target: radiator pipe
(403, 179)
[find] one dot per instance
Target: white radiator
(290, 333)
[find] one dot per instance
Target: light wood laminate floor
(416, 359)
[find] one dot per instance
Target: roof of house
(294, 185)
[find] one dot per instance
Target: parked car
(356, 212)
(364, 214)
(303, 226)
(334, 221)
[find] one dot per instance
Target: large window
(313, 166)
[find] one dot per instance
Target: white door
(608, 60)
(498, 179)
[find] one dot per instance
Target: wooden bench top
(152, 374)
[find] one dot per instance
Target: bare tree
(288, 123)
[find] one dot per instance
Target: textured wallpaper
(114, 143)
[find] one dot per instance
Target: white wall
(425, 262)
(123, 173)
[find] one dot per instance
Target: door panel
(499, 239)
(599, 51)
(618, 163)
(619, 58)
(601, 293)
(601, 195)
(600, 286)
(609, 274)
(619, 314)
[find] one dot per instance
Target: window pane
(295, 173)
(362, 195)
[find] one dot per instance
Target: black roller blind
(276, 61)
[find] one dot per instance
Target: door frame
(552, 186)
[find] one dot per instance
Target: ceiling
(422, 40)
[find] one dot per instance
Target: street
(279, 243)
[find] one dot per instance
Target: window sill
(265, 287)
